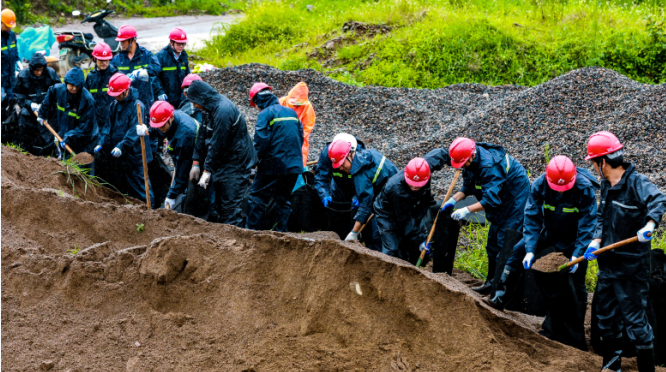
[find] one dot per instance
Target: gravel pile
(404, 123)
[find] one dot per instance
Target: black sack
(444, 242)
(563, 322)
(197, 201)
(160, 178)
(511, 238)
(307, 212)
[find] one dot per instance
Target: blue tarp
(32, 40)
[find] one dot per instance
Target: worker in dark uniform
(369, 171)
(630, 206)
(278, 139)
(333, 185)
(561, 211)
(174, 66)
(9, 52)
(500, 184)
(30, 90)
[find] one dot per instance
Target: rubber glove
(594, 246)
(162, 97)
(142, 130)
(528, 260)
(327, 201)
(35, 106)
(141, 74)
(63, 144)
(195, 172)
(97, 148)
(355, 202)
(460, 214)
(203, 182)
(574, 267)
(449, 203)
(169, 202)
(40, 121)
(425, 247)
(351, 236)
(116, 152)
(643, 233)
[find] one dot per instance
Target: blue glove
(594, 246)
(162, 97)
(449, 203)
(425, 247)
(574, 267)
(645, 234)
(355, 203)
(97, 148)
(116, 152)
(62, 144)
(528, 260)
(327, 201)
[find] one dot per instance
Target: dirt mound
(550, 262)
(404, 123)
(84, 288)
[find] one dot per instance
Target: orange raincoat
(298, 101)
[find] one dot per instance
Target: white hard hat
(346, 137)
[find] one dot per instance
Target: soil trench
(84, 288)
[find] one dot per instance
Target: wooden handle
(366, 222)
(601, 250)
(143, 156)
(432, 229)
(312, 162)
(55, 134)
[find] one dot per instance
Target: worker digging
(248, 154)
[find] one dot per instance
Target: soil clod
(550, 262)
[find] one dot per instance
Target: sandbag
(306, 210)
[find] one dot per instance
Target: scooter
(76, 47)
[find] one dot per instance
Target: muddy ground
(182, 294)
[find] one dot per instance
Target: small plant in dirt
(139, 227)
(16, 147)
(74, 251)
(75, 172)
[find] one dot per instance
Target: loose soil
(84, 158)
(84, 289)
(550, 262)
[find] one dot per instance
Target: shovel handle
(600, 251)
(432, 229)
(143, 156)
(312, 162)
(366, 222)
(55, 134)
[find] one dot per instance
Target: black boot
(645, 360)
(612, 352)
(505, 287)
(486, 287)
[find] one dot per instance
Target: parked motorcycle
(76, 47)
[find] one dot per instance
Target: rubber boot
(645, 360)
(505, 287)
(486, 287)
(612, 354)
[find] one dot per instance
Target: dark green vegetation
(430, 44)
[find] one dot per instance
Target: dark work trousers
(515, 261)
(262, 190)
(124, 176)
(229, 191)
(623, 303)
(496, 235)
(398, 242)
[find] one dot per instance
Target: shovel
(77, 158)
(143, 156)
(432, 229)
(600, 251)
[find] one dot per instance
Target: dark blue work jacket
(97, 83)
(143, 58)
(9, 58)
(370, 171)
(172, 73)
(331, 182)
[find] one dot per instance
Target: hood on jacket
(298, 95)
(203, 94)
(37, 60)
(587, 178)
(265, 98)
(75, 77)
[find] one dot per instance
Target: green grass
(439, 42)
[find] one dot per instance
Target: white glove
(141, 74)
(203, 182)
(116, 152)
(142, 130)
(352, 236)
(195, 172)
(460, 214)
(162, 97)
(169, 203)
(35, 106)
(574, 267)
(40, 121)
(643, 233)
(97, 148)
(528, 260)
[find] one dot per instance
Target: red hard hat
(178, 35)
(160, 113)
(102, 51)
(118, 84)
(561, 173)
(417, 172)
(461, 150)
(602, 143)
(338, 151)
(126, 32)
(189, 79)
(256, 88)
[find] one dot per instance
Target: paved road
(154, 32)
